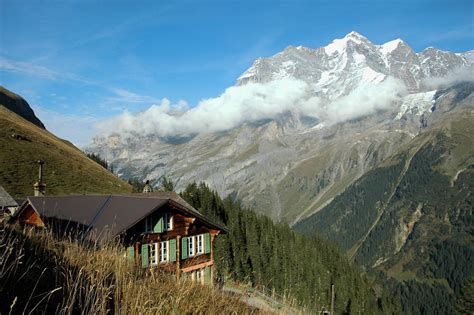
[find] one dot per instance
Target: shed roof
(6, 200)
(110, 215)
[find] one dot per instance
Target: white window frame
(200, 244)
(164, 256)
(153, 254)
(168, 221)
(198, 276)
(191, 248)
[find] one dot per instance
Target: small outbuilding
(7, 203)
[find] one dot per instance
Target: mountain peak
(354, 34)
(344, 64)
(338, 45)
(390, 46)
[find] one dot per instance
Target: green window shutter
(184, 248)
(158, 228)
(207, 243)
(173, 250)
(207, 275)
(145, 255)
(131, 253)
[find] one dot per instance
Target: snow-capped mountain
(343, 65)
(292, 164)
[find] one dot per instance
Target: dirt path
(260, 300)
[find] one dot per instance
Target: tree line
(262, 253)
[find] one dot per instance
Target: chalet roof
(6, 200)
(110, 215)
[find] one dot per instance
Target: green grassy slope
(67, 169)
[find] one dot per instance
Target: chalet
(158, 230)
(7, 203)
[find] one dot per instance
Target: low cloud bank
(253, 102)
(461, 74)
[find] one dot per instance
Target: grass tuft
(42, 274)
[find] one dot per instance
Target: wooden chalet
(158, 230)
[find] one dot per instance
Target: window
(164, 251)
(198, 276)
(168, 222)
(200, 244)
(153, 253)
(195, 245)
(148, 224)
(191, 246)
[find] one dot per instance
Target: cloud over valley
(253, 102)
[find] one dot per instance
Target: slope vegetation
(40, 274)
(411, 217)
(273, 257)
(67, 169)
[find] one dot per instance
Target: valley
(348, 165)
(389, 184)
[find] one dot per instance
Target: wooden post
(212, 259)
(178, 256)
(212, 242)
(332, 299)
(136, 254)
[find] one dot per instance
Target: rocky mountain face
(292, 166)
(19, 106)
(346, 63)
(411, 217)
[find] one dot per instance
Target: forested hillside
(263, 253)
(411, 218)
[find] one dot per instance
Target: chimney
(147, 188)
(39, 186)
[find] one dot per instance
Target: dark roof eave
(176, 203)
(200, 216)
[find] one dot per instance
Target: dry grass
(40, 274)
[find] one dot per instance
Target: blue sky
(78, 62)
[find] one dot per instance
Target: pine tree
(167, 184)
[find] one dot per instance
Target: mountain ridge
(290, 165)
(408, 217)
(19, 106)
(385, 59)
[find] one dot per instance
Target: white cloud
(366, 100)
(458, 75)
(252, 102)
(27, 68)
(127, 96)
(35, 70)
